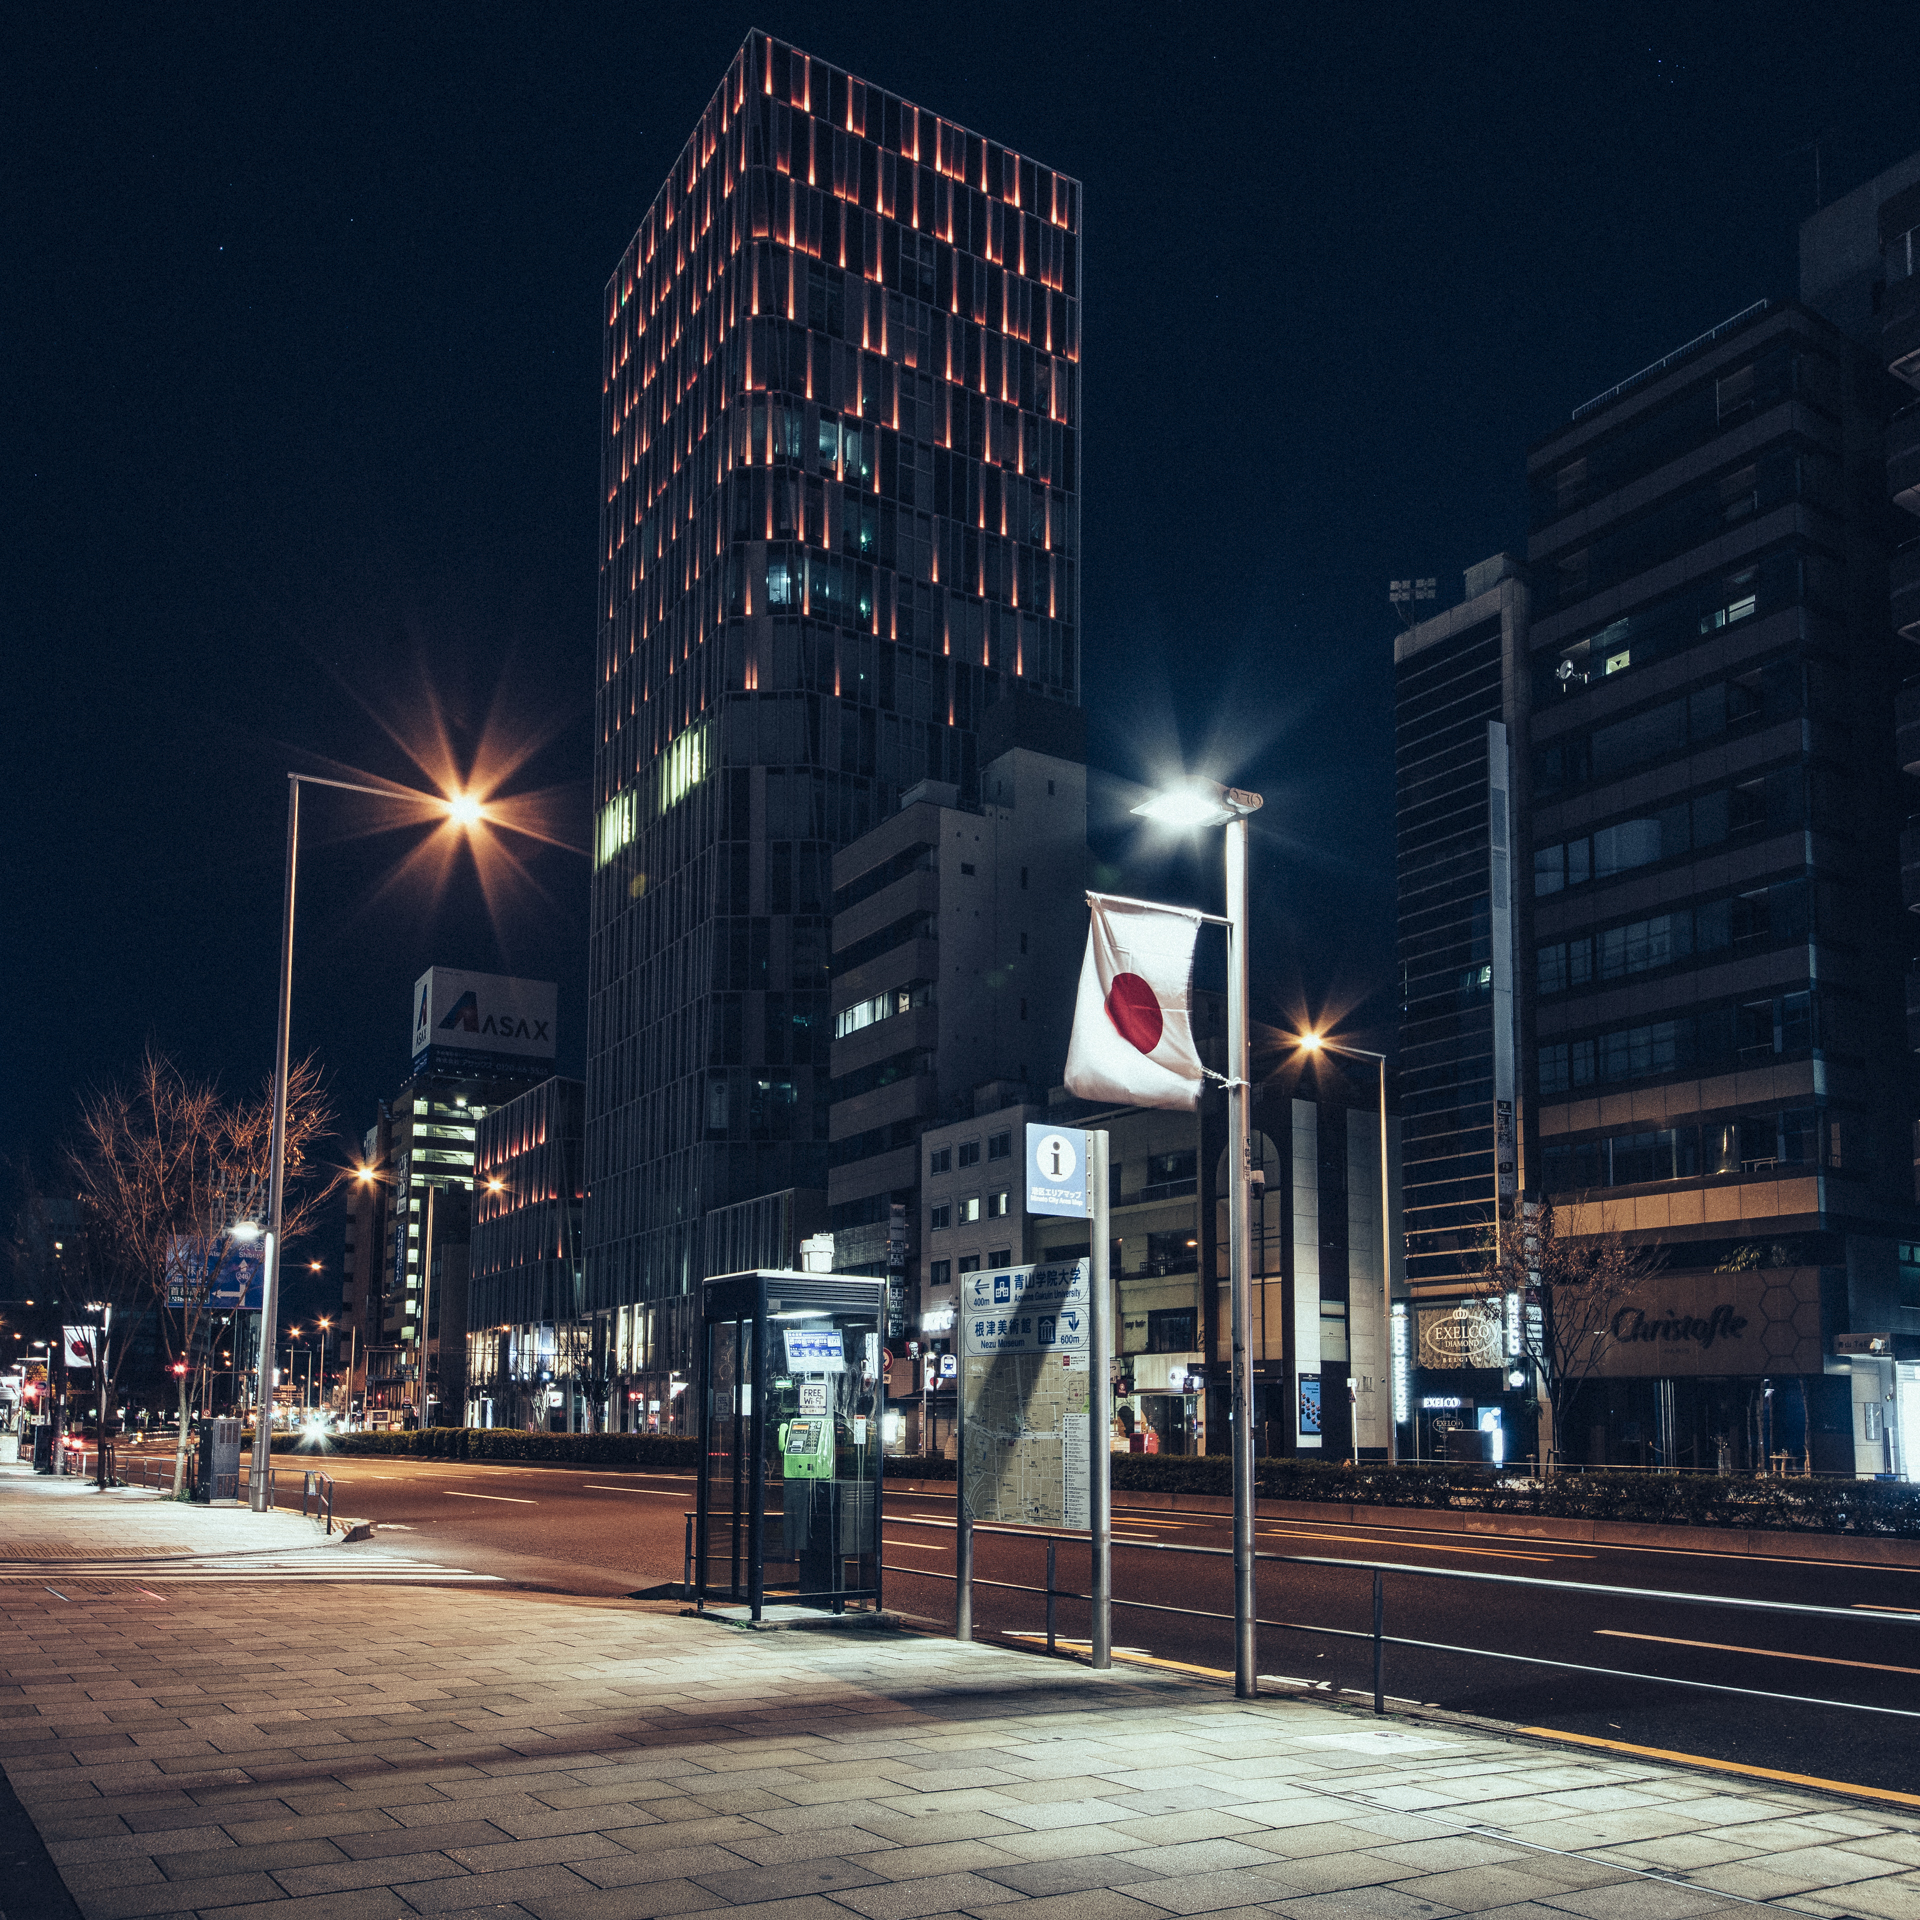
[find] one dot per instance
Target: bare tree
(172, 1175)
(1574, 1285)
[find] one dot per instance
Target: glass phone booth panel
(789, 1495)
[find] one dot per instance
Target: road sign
(1028, 1310)
(1057, 1170)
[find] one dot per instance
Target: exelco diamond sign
(1056, 1170)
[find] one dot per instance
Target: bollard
(686, 1564)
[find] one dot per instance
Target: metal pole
(426, 1305)
(1052, 1545)
(1386, 1271)
(259, 1495)
(962, 1513)
(1100, 1406)
(100, 1373)
(1379, 1643)
(1245, 1676)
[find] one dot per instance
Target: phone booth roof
(770, 1290)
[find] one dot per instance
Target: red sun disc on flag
(1134, 1009)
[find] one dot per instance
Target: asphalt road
(607, 1531)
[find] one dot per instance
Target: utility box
(791, 1391)
(218, 1482)
(43, 1446)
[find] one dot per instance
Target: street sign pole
(1067, 1176)
(1100, 1405)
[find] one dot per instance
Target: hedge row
(1868, 1507)
(671, 1451)
(1882, 1508)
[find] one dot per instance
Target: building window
(966, 866)
(942, 1218)
(1170, 1330)
(970, 1207)
(1000, 1145)
(997, 1205)
(1000, 1257)
(1023, 879)
(940, 1273)
(940, 1160)
(969, 1263)
(969, 1153)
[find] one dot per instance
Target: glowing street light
(1189, 805)
(465, 811)
(1311, 1042)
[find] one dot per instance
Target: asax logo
(465, 1015)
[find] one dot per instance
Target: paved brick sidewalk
(340, 1752)
(61, 1516)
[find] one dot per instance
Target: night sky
(302, 331)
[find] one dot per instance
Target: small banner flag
(80, 1343)
(1132, 1023)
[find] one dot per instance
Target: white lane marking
(1764, 1653)
(593, 1486)
(507, 1497)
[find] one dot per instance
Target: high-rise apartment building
(839, 522)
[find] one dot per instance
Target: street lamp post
(1319, 1043)
(1202, 803)
(465, 811)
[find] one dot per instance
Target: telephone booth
(787, 1510)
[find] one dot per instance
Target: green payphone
(806, 1448)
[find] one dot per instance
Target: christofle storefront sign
(1764, 1320)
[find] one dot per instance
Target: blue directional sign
(1057, 1170)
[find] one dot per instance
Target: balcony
(1906, 726)
(1900, 329)
(1903, 458)
(1904, 573)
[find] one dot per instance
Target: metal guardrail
(316, 1493)
(1380, 1639)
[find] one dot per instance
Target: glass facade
(1451, 701)
(839, 520)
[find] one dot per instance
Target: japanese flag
(1132, 1024)
(80, 1345)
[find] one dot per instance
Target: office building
(839, 524)
(478, 1039)
(956, 933)
(1716, 1059)
(1860, 268)
(530, 1346)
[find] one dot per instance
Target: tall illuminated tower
(839, 520)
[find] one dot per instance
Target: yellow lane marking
(1727, 1766)
(1418, 1546)
(506, 1497)
(916, 1546)
(1883, 1606)
(1765, 1653)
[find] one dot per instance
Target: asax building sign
(481, 1022)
